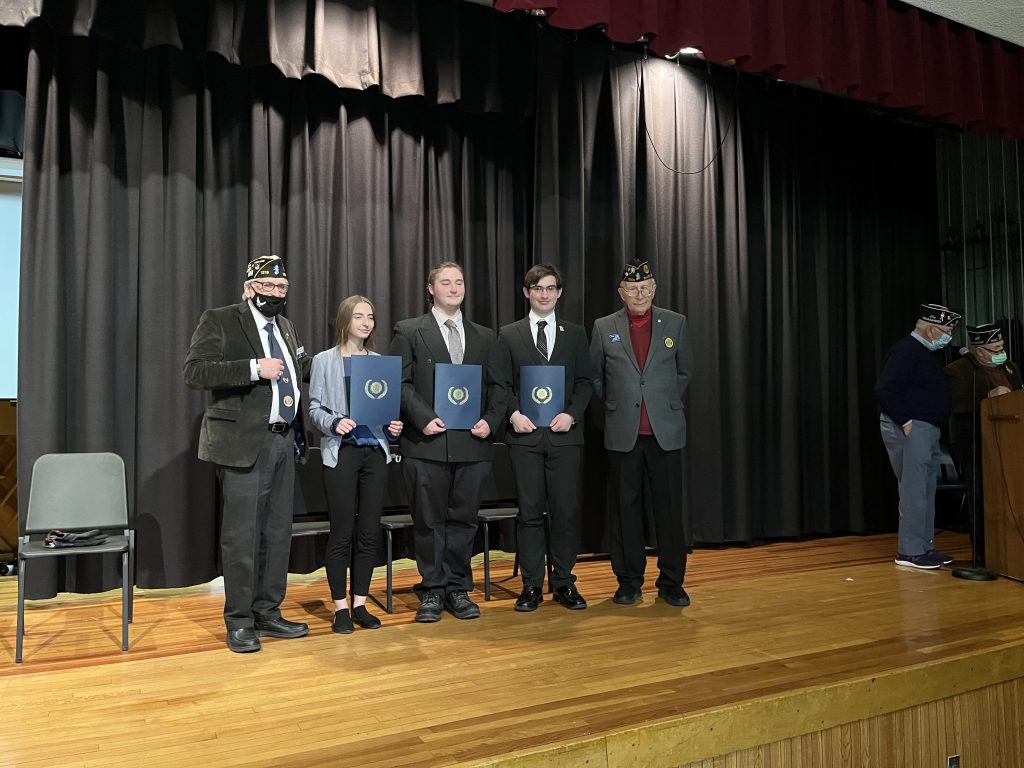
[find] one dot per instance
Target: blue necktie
(285, 390)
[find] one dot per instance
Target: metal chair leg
(131, 570)
(487, 561)
(22, 570)
(390, 583)
(125, 599)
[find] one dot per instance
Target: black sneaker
(342, 623)
(927, 561)
(674, 596)
(946, 559)
(460, 606)
(364, 618)
(430, 609)
(626, 595)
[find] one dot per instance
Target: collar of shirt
(260, 319)
(441, 318)
(535, 318)
(639, 321)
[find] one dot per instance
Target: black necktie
(285, 390)
(542, 338)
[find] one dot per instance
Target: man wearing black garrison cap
(915, 401)
(982, 370)
(642, 364)
(249, 360)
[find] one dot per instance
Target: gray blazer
(620, 383)
(327, 400)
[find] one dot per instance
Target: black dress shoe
(430, 609)
(281, 627)
(570, 597)
(243, 640)
(626, 595)
(364, 618)
(460, 606)
(342, 623)
(530, 599)
(674, 596)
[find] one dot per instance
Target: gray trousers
(915, 460)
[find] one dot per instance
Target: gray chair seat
(117, 543)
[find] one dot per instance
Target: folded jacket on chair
(57, 539)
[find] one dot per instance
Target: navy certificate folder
(457, 391)
(541, 392)
(375, 393)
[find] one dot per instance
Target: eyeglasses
(266, 287)
(634, 291)
(544, 289)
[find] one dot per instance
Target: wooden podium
(1002, 443)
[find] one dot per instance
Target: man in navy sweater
(916, 400)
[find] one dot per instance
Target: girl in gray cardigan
(355, 457)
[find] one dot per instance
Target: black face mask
(269, 306)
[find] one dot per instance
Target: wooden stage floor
(781, 640)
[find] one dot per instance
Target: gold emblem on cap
(376, 389)
(288, 401)
(669, 343)
(458, 395)
(541, 395)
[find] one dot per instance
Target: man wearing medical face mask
(984, 371)
(249, 360)
(915, 399)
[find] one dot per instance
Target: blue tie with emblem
(285, 390)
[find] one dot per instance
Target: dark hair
(344, 320)
(538, 272)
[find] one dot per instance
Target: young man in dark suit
(444, 469)
(546, 457)
(249, 360)
(643, 363)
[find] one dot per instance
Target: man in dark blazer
(444, 469)
(982, 371)
(249, 360)
(546, 457)
(643, 361)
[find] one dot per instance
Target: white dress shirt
(261, 325)
(441, 319)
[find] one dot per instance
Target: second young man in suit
(546, 457)
(444, 469)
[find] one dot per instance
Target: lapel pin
(669, 343)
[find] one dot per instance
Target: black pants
(355, 496)
(547, 478)
(629, 470)
(444, 499)
(256, 531)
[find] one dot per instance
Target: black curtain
(796, 232)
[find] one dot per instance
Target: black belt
(279, 427)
